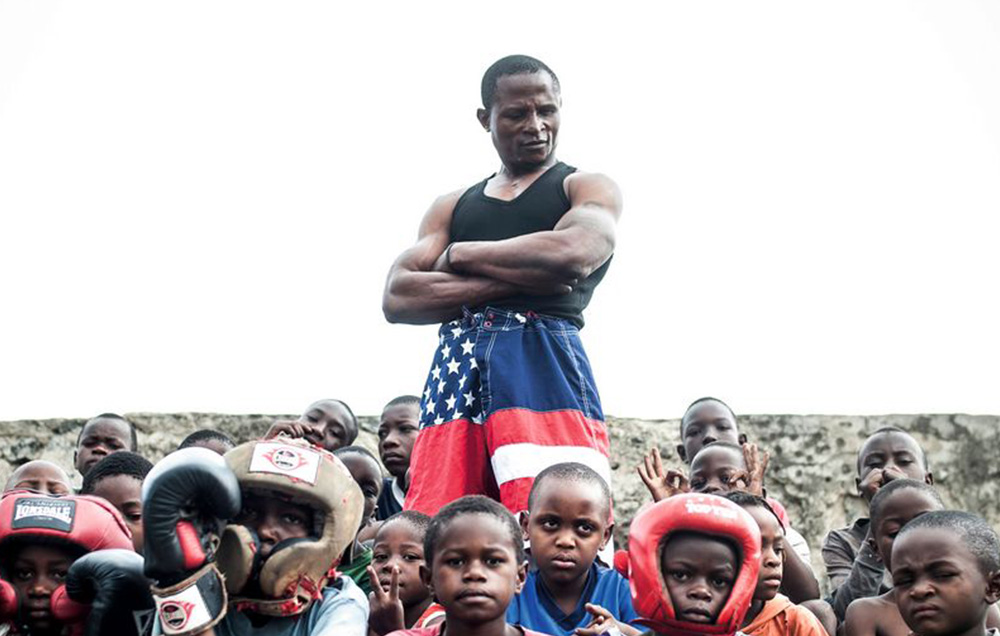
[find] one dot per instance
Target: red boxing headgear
(78, 521)
(703, 514)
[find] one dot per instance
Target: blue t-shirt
(534, 608)
(343, 611)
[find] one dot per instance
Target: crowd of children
(302, 533)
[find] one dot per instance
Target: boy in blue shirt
(568, 522)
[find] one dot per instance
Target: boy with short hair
(852, 561)
(568, 522)
(294, 508)
(40, 476)
(707, 420)
(400, 599)
(118, 479)
(100, 436)
(770, 613)
(213, 440)
(41, 538)
(475, 564)
(397, 431)
(946, 570)
(367, 472)
(693, 562)
(329, 424)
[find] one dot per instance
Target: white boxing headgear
(296, 571)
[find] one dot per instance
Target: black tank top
(478, 217)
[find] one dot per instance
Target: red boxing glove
(704, 514)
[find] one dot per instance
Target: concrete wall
(811, 472)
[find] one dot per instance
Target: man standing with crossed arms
(508, 267)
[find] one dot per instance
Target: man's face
(332, 426)
(938, 584)
(524, 119)
(100, 438)
(699, 572)
(567, 526)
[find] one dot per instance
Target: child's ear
(524, 516)
(682, 453)
(742, 439)
(993, 587)
(425, 578)
(607, 535)
(483, 116)
(522, 574)
(929, 478)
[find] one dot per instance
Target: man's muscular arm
(581, 241)
(416, 294)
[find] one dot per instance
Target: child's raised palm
(661, 484)
(386, 614)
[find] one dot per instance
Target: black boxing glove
(113, 589)
(187, 498)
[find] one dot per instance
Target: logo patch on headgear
(299, 463)
(698, 508)
(42, 512)
(176, 614)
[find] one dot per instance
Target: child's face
(396, 434)
(896, 454)
(567, 526)
(772, 544)
(368, 474)
(938, 583)
(40, 476)
(398, 544)
(99, 439)
(707, 422)
(902, 506)
(475, 570)
(713, 471)
(699, 572)
(331, 425)
(274, 520)
(35, 573)
(124, 492)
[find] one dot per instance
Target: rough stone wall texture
(811, 472)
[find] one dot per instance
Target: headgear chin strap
(296, 571)
(702, 514)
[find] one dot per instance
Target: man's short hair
(418, 520)
(120, 463)
(133, 436)
(357, 450)
(472, 505)
(511, 65)
(876, 508)
(977, 535)
(573, 472)
(745, 499)
(206, 435)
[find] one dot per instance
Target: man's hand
(661, 484)
(386, 613)
(603, 623)
(877, 478)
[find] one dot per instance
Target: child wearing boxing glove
(270, 571)
(46, 588)
(693, 564)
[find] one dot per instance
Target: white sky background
(199, 201)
